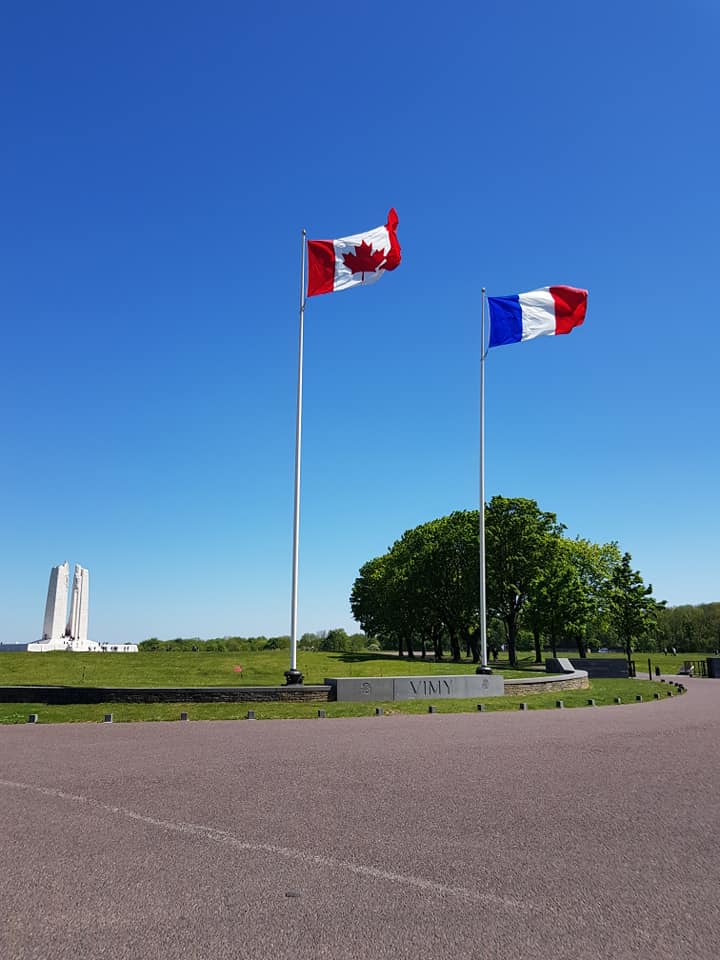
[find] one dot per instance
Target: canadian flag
(350, 261)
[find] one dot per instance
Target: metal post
(293, 675)
(484, 667)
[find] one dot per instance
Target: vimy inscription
(416, 688)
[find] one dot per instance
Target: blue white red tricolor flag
(545, 312)
(351, 261)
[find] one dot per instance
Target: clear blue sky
(159, 162)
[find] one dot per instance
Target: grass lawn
(603, 692)
(162, 669)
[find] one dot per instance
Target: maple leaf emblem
(365, 259)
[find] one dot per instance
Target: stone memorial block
(416, 688)
(558, 665)
(611, 667)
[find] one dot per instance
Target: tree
(425, 588)
(520, 539)
(632, 609)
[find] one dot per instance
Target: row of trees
(326, 641)
(423, 593)
(690, 628)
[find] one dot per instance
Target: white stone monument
(56, 604)
(73, 635)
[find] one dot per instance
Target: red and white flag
(350, 261)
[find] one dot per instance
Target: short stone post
(251, 715)
(32, 718)
(108, 718)
(183, 715)
(321, 714)
(560, 704)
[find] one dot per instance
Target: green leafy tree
(519, 539)
(632, 610)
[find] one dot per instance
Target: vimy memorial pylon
(59, 634)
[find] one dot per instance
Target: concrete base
(454, 686)
(79, 646)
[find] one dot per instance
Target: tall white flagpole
(484, 667)
(293, 675)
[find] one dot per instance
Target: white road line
(230, 840)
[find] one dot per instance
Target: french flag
(539, 313)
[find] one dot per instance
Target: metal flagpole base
(293, 677)
(486, 669)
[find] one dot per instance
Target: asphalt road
(566, 834)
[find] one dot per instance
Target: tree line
(337, 640)
(423, 595)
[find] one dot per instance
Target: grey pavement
(563, 834)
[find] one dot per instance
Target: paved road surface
(558, 834)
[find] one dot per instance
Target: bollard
(560, 704)
(321, 714)
(378, 711)
(107, 718)
(656, 696)
(591, 703)
(657, 671)
(32, 718)
(669, 693)
(183, 716)
(523, 706)
(618, 699)
(251, 714)
(638, 697)
(431, 710)
(481, 708)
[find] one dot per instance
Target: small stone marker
(560, 704)
(618, 699)
(591, 703)
(481, 707)
(108, 718)
(656, 696)
(183, 716)
(669, 693)
(321, 714)
(432, 709)
(251, 714)
(638, 698)
(378, 711)
(523, 706)
(32, 718)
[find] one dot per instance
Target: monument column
(56, 604)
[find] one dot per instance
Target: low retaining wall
(356, 689)
(547, 683)
(68, 695)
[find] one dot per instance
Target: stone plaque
(417, 688)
